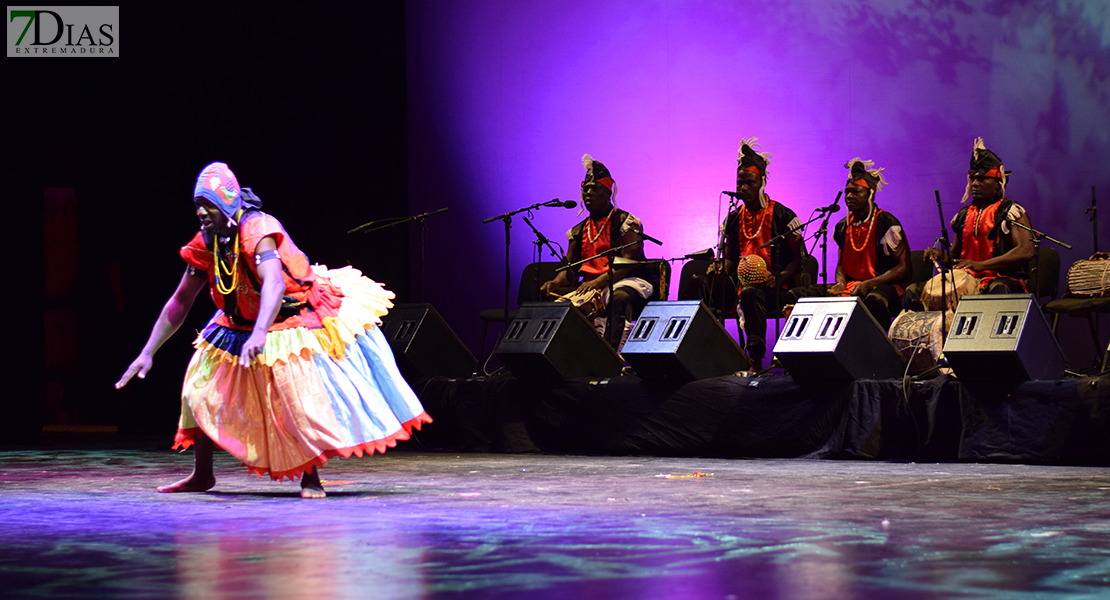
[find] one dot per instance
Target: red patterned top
(301, 283)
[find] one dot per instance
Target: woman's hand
(252, 348)
(140, 366)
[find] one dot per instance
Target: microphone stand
(945, 264)
(1037, 237)
(826, 214)
(541, 240)
(1093, 210)
(608, 254)
(395, 221)
(733, 206)
(507, 218)
(779, 237)
(823, 235)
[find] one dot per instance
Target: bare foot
(310, 485)
(192, 483)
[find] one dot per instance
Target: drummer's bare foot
(311, 486)
(192, 483)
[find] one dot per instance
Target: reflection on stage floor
(88, 523)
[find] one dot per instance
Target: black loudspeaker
(424, 345)
(552, 340)
(836, 338)
(1002, 336)
(681, 340)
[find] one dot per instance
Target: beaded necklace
(978, 215)
(747, 216)
(979, 210)
(866, 236)
(222, 268)
(602, 226)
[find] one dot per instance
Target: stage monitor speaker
(1002, 336)
(681, 340)
(836, 338)
(552, 340)
(424, 345)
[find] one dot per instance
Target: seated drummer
(756, 221)
(632, 285)
(874, 255)
(986, 244)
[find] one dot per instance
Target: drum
(960, 283)
(919, 337)
(589, 302)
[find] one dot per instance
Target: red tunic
(974, 243)
(859, 265)
(755, 230)
(593, 269)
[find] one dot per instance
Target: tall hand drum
(960, 283)
(919, 338)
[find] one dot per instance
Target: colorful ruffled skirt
(316, 393)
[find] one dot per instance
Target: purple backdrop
(505, 97)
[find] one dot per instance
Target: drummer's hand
(836, 289)
(594, 284)
(932, 253)
(715, 268)
(547, 288)
(973, 265)
(862, 288)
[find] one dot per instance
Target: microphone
(428, 214)
(706, 254)
(558, 202)
(733, 194)
(834, 207)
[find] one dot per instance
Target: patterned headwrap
(752, 269)
(218, 185)
(985, 163)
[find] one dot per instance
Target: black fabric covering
(935, 421)
(1037, 421)
(884, 421)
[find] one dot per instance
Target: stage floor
(88, 523)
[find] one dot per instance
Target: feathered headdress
(596, 172)
(985, 163)
(749, 157)
(862, 174)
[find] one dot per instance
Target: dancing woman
(292, 369)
